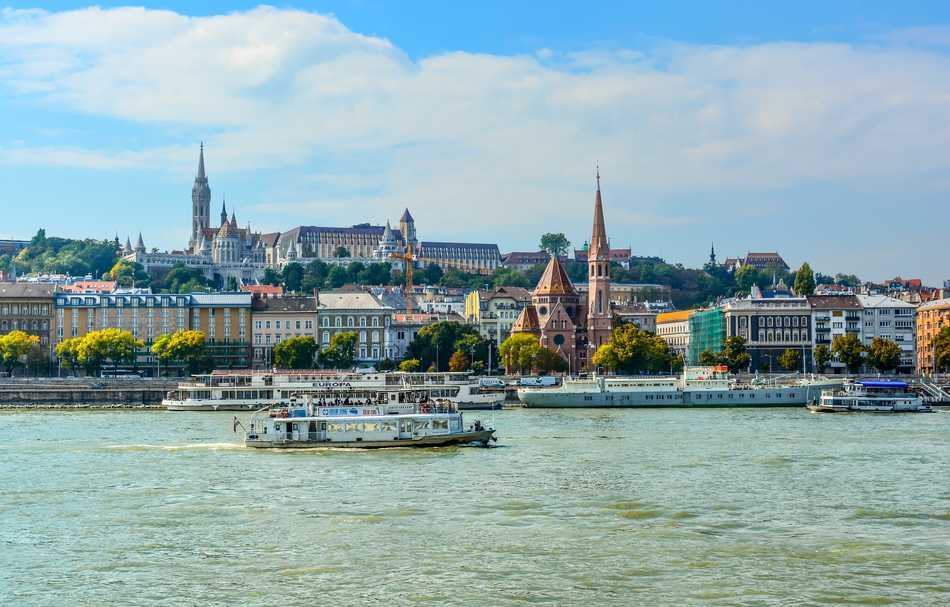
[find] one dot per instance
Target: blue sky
(816, 129)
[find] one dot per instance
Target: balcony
(821, 329)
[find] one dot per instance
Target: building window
(326, 338)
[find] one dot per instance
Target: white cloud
(479, 136)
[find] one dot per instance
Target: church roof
(226, 229)
(527, 321)
(406, 216)
(201, 162)
(598, 241)
(388, 233)
(558, 314)
(555, 280)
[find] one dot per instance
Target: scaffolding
(707, 331)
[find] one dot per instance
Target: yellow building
(931, 317)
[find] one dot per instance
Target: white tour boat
(362, 426)
(696, 387)
(251, 390)
(871, 396)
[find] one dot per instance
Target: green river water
(573, 507)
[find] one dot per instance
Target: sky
(819, 130)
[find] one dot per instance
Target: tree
(180, 279)
(337, 277)
(232, 284)
(271, 277)
(410, 365)
(292, 276)
(296, 353)
(942, 349)
(518, 352)
(549, 361)
(734, 354)
(113, 345)
(341, 352)
(631, 350)
(849, 350)
(431, 274)
(341, 252)
(804, 281)
(822, 357)
(790, 359)
(441, 339)
(458, 362)
(708, 358)
(127, 274)
(745, 277)
(386, 364)
(884, 355)
(555, 244)
(186, 346)
(67, 351)
(14, 346)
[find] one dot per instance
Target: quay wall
(44, 393)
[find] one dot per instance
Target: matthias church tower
(200, 204)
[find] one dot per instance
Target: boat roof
(882, 383)
(360, 418)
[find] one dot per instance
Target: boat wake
(185, 447)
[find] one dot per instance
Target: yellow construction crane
(409, 259)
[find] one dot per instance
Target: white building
(673, 328)
(893, 319)
(834, 316)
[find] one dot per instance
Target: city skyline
(811, 141)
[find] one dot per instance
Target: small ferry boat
(870, 396)
(251, 390)
(696, 387)
(363, 426)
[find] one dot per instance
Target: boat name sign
(332, 384)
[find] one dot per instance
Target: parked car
(542, 381)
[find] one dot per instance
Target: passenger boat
(363, 426)
(871, 396)
(251, 390)
(696, 387)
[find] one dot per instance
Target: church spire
(224, 212)
(201, 162)
(599, 246)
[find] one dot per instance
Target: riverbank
(83, 393)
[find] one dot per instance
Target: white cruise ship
(252, 390)
(871, 396)
(696, 387)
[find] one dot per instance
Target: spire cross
(598, 175)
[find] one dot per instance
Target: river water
(573, 507)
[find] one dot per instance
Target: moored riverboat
(696, 387)
(870, 396)
(251, 390)
(363, 426)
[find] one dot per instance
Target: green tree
(441, 339)
(632, 350)
(941, 352)
(337, 277)
(734, 354)
(848, 280)
(341, 353)
(296, 353)
(292, 277)
(180, 279)
(431, 274)
(314, 276)
(519, 352)
(555, 244)
(884, 355)
(849, 350)
(410, 365)
(341, 252)
(271, 277)
(804, 281)
(127, 274)
(790, 359)
(822, 357)
(708, 358)
(745, 277)
(14, 347)
(232, 284)
(549, 361)
(386, 364)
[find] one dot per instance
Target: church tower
(407, 225)
(598, 281)
(200, 204)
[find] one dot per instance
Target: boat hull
(461, 438)
(785, 396)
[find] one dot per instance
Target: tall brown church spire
(599, 245)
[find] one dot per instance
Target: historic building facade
(275, 319)
(29, 308)
(361, 313)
